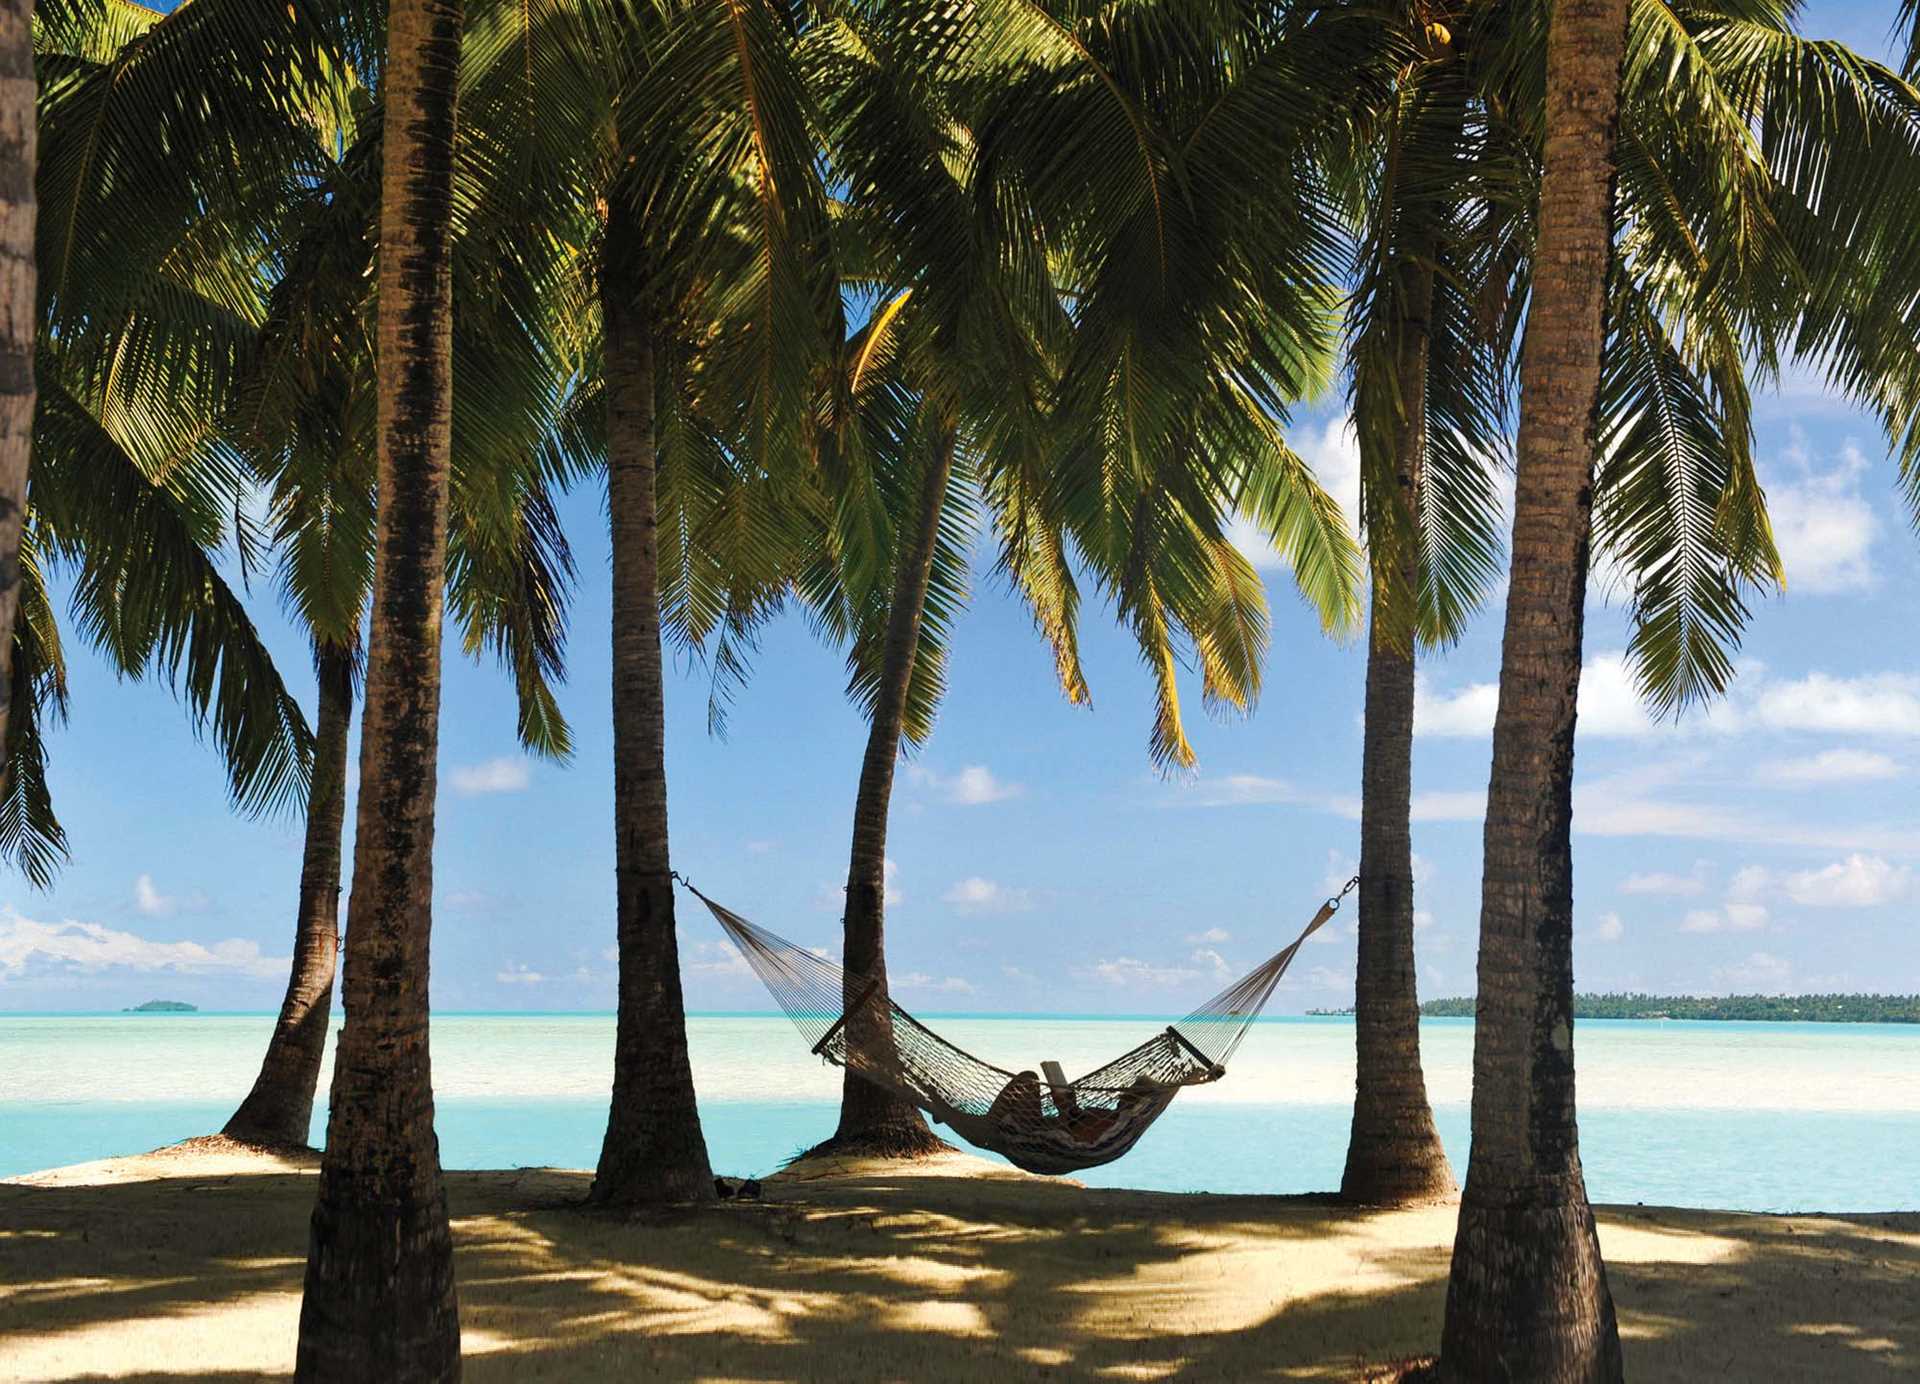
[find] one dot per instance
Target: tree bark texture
(380, 1301)
(873, 1119)
(19, 311)
(1528, 1297)
(654, 1150)
(278, 1111)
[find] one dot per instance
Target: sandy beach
(186, 1264)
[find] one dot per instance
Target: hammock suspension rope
(1041, 1122)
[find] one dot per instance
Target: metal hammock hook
(1345, 889)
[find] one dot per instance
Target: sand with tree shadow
(186, 1264)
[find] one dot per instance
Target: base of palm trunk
(652, 1186)
(379, 1297)
(876, 1124)
(1397, 1167)
(270, 1125)
(887, 1141)
(1528, 1298)
(263, 1139)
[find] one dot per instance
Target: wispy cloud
(976, 894)
(975, 785)
(1823, 524)
(1830, 766)
(1761, 973)
(30, 947)
(150, 901)
(1859, 881)
(1662, 882)
(921, 980)
(507, 774)
(518, 973)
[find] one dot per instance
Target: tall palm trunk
(380, 1301)
(871, 1119)
(18, 312)
(279, 1108)
(654, 1150)
(1394, 1152)
(1528, 1297)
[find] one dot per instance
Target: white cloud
(88, 948)
(1629, 804)
(1734, 917)
(974, 786)
(1859, 881)
(518, 973)
(1661, 882)
(1830, 766)
(1128, 972)
(1824, 527)
(1609, 928)
(507, 774)
(721, 959)
(1610, 704)
(1871, 704)
(978, 895)
(1213, 936)
(148, 899)
(1240, 790)
(1212, 963)
(920, 980)
(1466, 714)
(1761, 973)
(1333, 451)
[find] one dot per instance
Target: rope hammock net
(1042, 1123)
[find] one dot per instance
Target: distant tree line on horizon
(1831, 1009)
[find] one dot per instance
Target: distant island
(163, 1007)
(1826, 1009)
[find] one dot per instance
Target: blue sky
(1769, 843)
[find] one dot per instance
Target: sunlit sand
(186, 1264)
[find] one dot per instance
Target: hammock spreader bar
(848, 1019)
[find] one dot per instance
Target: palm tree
(143, 325)
(713, 212)
(1120, 430)
(1429, 425)
(17, 300)
(304, 420)
(379, 1297)
(1528, 1296)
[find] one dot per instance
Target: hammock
(1044, 1124)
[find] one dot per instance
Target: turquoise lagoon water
(1759, 1117)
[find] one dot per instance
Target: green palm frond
(148, 593)
(30, 834)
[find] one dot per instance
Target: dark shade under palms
(379, 1298)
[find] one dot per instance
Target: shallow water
(1760, 1117)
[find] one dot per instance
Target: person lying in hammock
(1018, 1106)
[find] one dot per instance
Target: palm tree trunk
(872, 1120)
(1394, 1153)
(18, 312)
(278, 1111)
(380, 1301)
(654, 1150)
(1528, 1296)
